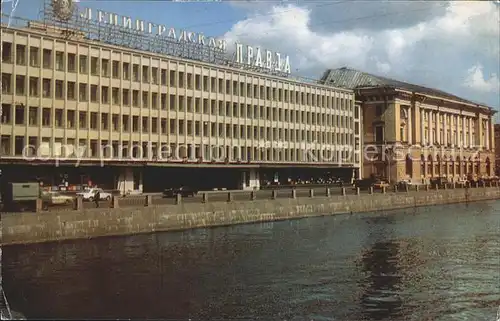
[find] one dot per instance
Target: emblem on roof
(63, 9)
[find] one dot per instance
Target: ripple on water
(439, 263)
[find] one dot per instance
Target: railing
(256, 195)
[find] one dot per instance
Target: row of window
(452, 137)
(34, 147)
(92, 120)
(173, 78)
(136, 98)
(127, 97)
(455, 168)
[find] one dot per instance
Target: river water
(436, 263)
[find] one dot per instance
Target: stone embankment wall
(18, 228)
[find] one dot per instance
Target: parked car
(89, 195)
(55, 198)
(461, 183)
(183, 191)
(363, 184)
(439, 181)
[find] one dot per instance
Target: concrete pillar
(253, 195)
(78, 205)
(39, 205)
(327, 192)
(342, 191)
(115, 203)
(311, 193)
(229, 197)
(371, 190)
(274, 194)
(178, 199)
(148, 200)
(253, 179)
(125, 181)
(294, 193)
(358, 191)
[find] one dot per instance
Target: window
(71, 90)
(6, 52)
(20, 84)
(33, 86)
(379, 134)
(71, 62)
(83, 64)
(34, 60)
(21, 55)
(60, 60)
(47, 58)
(33, 116)
(6, 83)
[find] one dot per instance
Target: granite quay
(19, 228)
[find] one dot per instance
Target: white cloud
(476, 80)
(383, 67)
(431, 50)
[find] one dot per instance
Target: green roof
(354, 79)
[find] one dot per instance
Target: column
(422, 128)
(463, 131)
(469, 124)
(445, 129)
(487, 138)
(478, 129)
(409, 126)
(492, 136)
(438, 127)
(431, 127)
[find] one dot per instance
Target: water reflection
(380, 263)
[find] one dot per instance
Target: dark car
(364, 184)
(439, 181)
(183, 191)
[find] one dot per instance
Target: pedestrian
(97, 197)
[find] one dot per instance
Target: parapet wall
(18, 228)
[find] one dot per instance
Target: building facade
(417, 133)
(68, 99)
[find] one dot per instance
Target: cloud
(429, 43)
(475, 80)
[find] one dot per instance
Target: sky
(452, 46)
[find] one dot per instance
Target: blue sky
(453, 46)
(213, 19)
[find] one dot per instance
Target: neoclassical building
(416, 133)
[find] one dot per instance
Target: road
(216, 196)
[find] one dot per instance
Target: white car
(88, 195)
